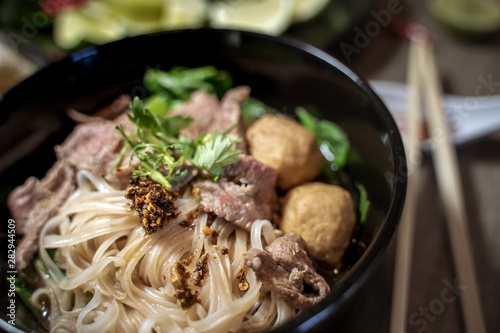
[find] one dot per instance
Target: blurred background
(368, 36)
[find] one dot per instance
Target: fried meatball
(287, 146)
(323, 215)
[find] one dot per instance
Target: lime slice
(307, 9)
(178, 14)
(470, 18)
(137, 17)
(93, 23)
(143, 10)
(265, 16)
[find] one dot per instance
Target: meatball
(287, 146)
(323, 215)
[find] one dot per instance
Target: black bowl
(282, 72)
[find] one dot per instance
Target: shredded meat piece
(286, 268)
(153, 202)
(34, 203)
(245, 193)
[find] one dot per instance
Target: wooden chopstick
(450, 189)
(404, 239)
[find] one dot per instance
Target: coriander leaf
(172, 125)
(147, 170)
(364, 202)
(178, 83)
(179, 175)
(150, 125)
(214, 153)
(158, 104)
(139, 115)
(157, 141)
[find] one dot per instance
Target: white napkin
(471, 117)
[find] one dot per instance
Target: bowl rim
(358, 273)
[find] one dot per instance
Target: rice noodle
(103, 251)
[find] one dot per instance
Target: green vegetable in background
(253, 109)
(176, 85)
(364, 202)
(25, 294)
(335, 147)
(332, 140)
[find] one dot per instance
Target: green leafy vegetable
(25, 294)
(153, 127)
(157, 139)
(364, 202)
(332, 140)
(335, 147)
(214, 153)
(177, 84)
(253, 109)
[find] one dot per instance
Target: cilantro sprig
(160, 147)
(173, 87)
(214, 152)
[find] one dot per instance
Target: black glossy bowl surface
(283, 73)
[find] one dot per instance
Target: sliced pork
(285, 267)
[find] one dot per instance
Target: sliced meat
(110, 111)
(115, 109)
(96, 147)
(22, 200)
(245, 193)
(202, 107)
(230, 114)
(34, 203)
(286, 269)
(210, 115)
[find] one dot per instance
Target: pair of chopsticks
(424, 86)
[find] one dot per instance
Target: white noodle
(104, 251)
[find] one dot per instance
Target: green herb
(24, 294)
(157, 139)
(156, 128)
(214, 152)
(364, 202)
(335, 147)
(332, 140)
(177, 84)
